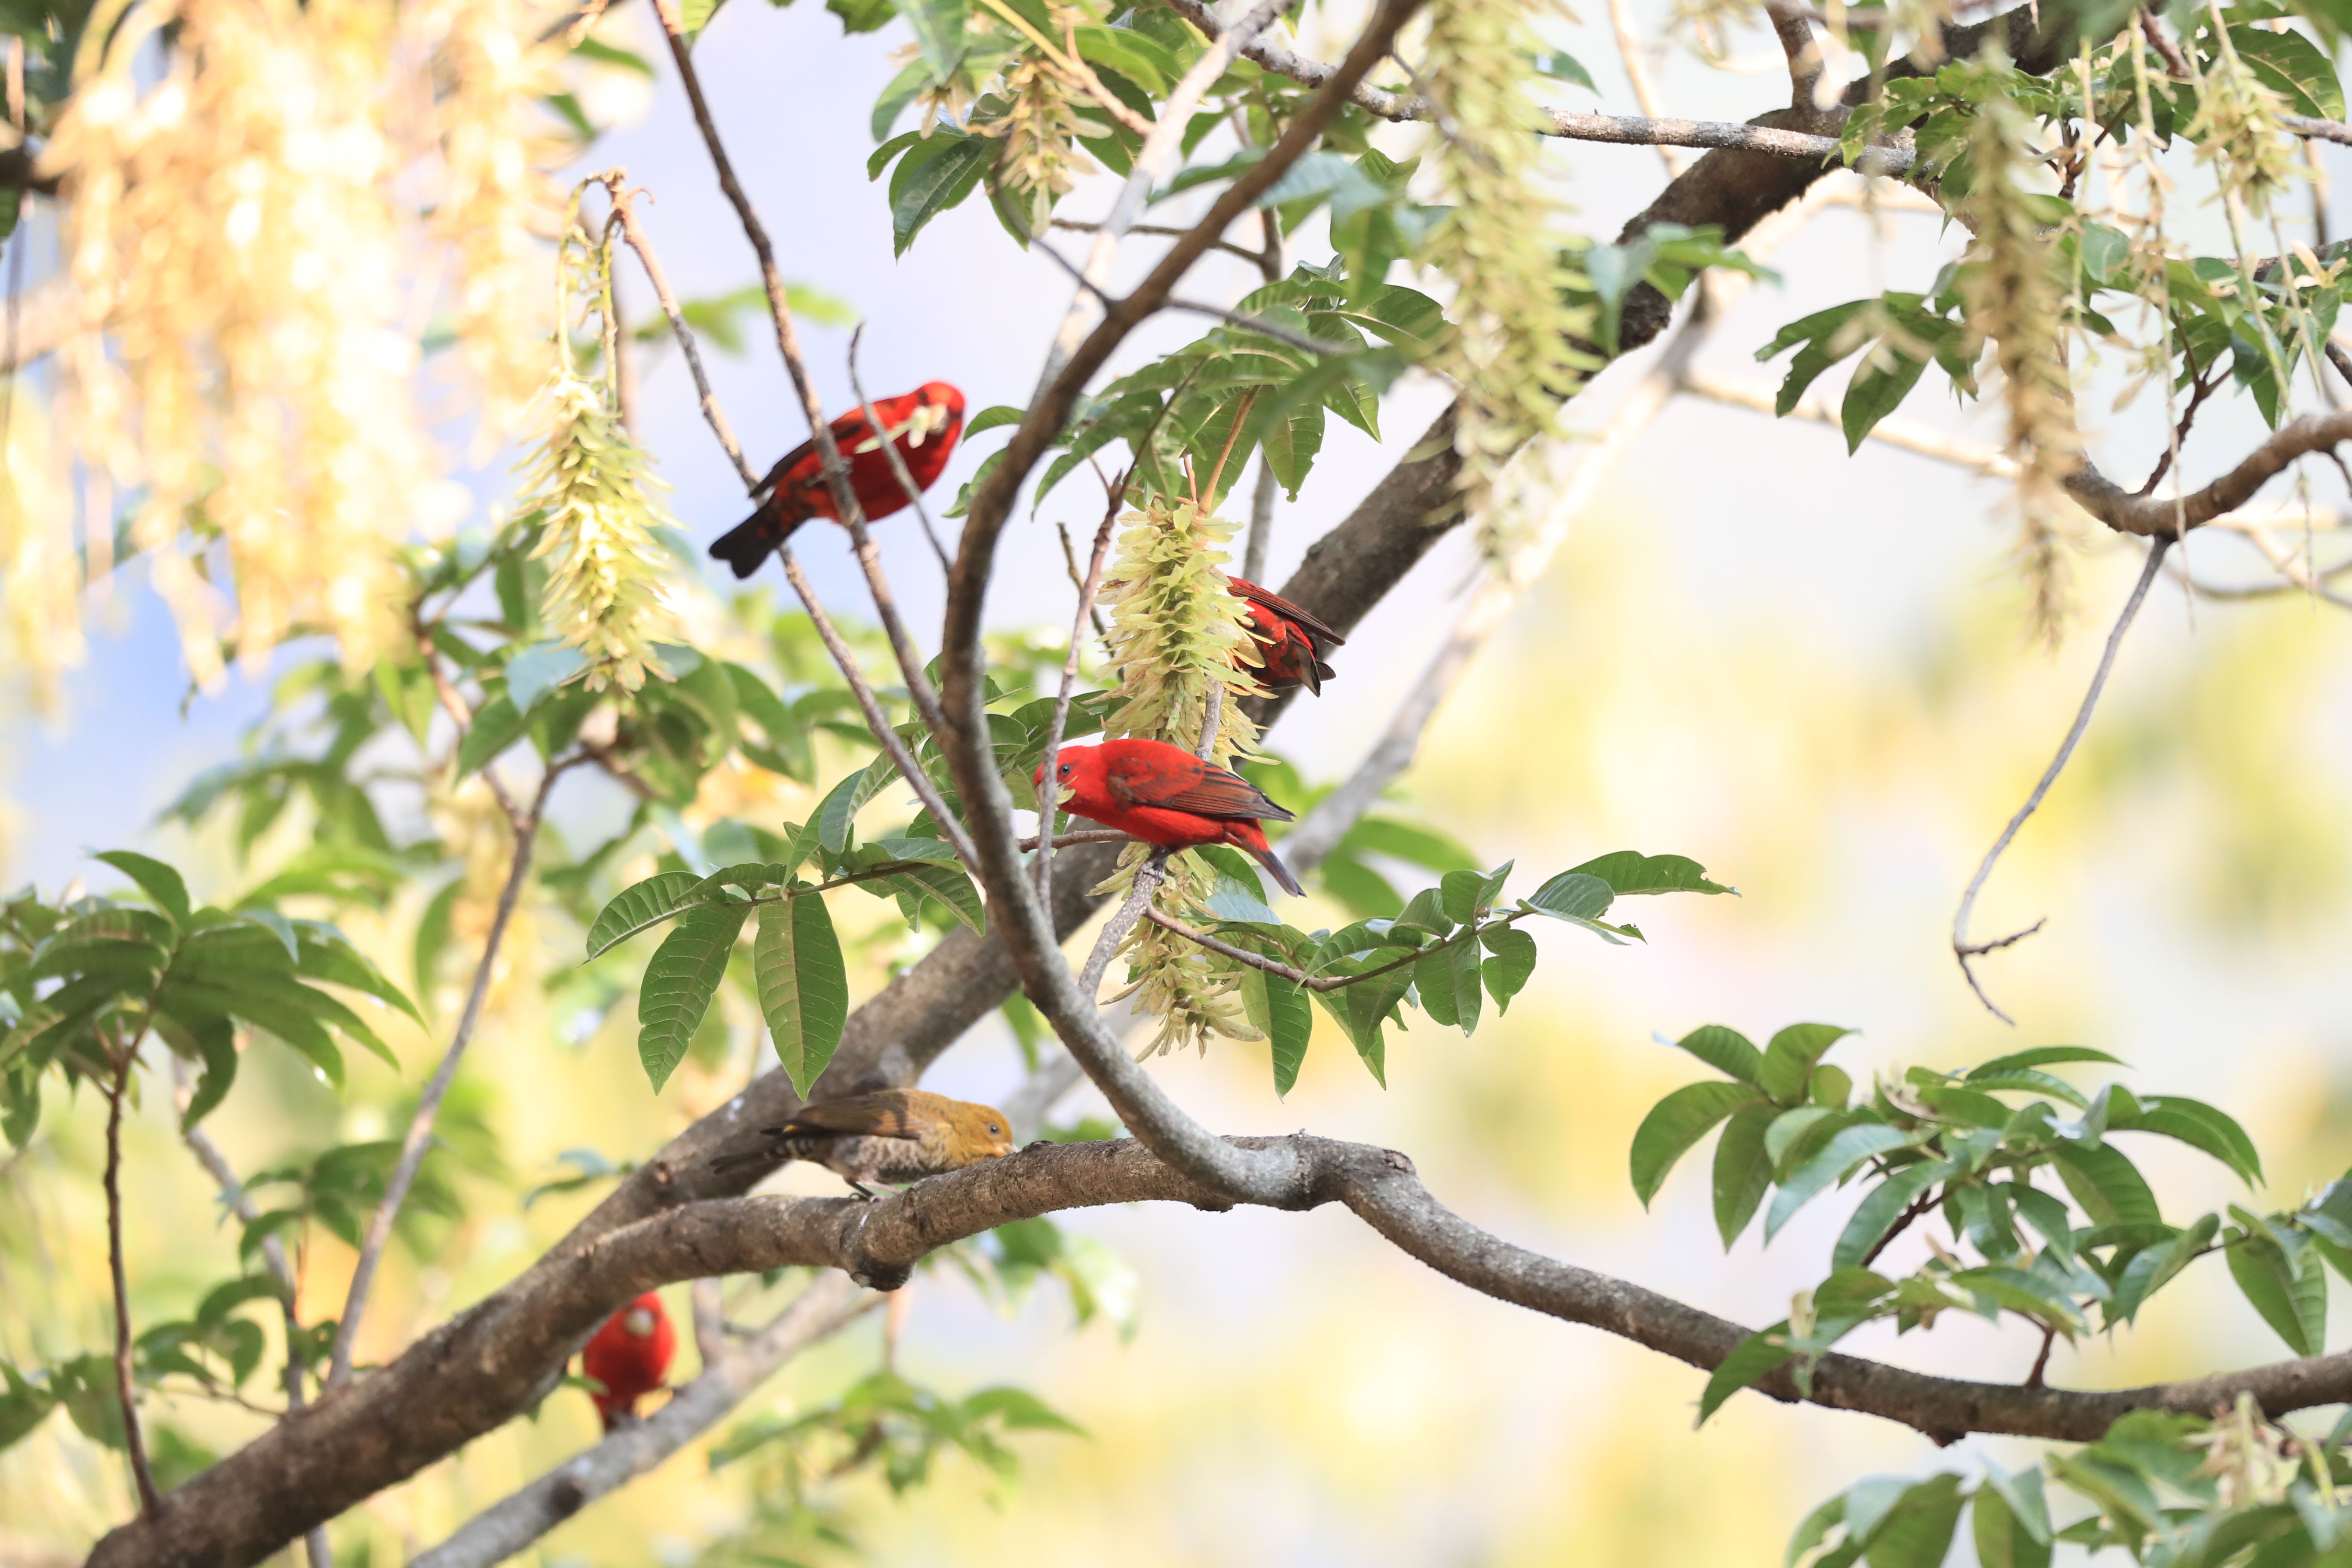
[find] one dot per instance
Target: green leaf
(157, 881)
(1880, 383)
(1788, 1065)
(433, 928)
(2040, 1055)
(1279, 1010)
(2151, 1269)
(1742, 1170)
(939, 29)
(1916, 1533)
(804, 987)
(1676, 1122)
(1629, 871)
(2021, 1495)
(1447, 977)
(1849, 1149)
(497, 725)
(2293, 65)
(643, 904)
(216, 1039)
(1754, 1357)
(2109, 1186)
(933, 176)
(1725, 1050)
(839, 809)
(23, 1407)
(679, 983)
(1571, 896)
(2200, 1126)
(1563, 66)
(2291, 1296)
(952, 886)
(694, 15)
(1514, 960)
(1878, 1213)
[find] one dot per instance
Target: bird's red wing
(1203, 788)
(878, 1115)
(1285, 609)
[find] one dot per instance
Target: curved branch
(2152, 517)
(473, 1374)
(1015, 913)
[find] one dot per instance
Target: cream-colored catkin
(1514, 343)
(1177, 632)
(2015, 302)
(244, 237)
(608, 592)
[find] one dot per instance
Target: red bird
(923, 424)
(1165, 795)
(1291, 643)
(630, 1356)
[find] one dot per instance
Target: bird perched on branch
(1291, 643)
(889, 1135)
(630, 1356)
(923, 424)
(1165, 795)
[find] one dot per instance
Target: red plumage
(1165, 795)
(1291, 643)
(630, 1356)
(923, 424)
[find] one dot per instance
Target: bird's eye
(995, 1130)
(1064, 770)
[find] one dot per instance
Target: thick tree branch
(469, 1375)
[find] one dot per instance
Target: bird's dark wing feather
(1204, 788)
(882, 1114)
(1288, 611)
(849, 432)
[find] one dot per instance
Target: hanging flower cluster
(590, 489)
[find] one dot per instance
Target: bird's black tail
(1280, 872)
(752, 541)
(767, 1152)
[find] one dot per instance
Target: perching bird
(1291, 643)
(630, 1356)
(889, 1135)
(923, 424)
(1165, 795)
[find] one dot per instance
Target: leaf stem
(134, 1442)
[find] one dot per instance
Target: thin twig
(898, 470)
(2201, 387)
(851, 515)
(1122, 921)
(419, 1136)
(870, 706)
(134, 1441)
(1049, 792)
(1903, 1221)
(1963, 949)
(2042, 1362)
(1282, 334)
(711, 412)
(1637, 74)
(273, 1257)
(1261, 527)
(1791, 25)
(1157, 155)
(1077, 226)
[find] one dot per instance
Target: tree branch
(1137, 1099)
(472, 1373)
(1963, 949)
(126, 1393)
(829, 1305)
(2153, 516)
